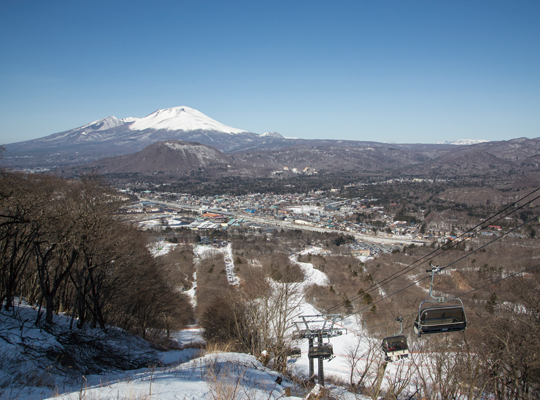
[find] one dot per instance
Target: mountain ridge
(259, 155)
(111, 136)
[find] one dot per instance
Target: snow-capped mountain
(464, 142)
(112, 136)
(272, 135)
(184, 119)
(249, 151)
(181, 119)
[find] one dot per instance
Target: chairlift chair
(321, 351)
(295, 352)
(442, 318)
(395, 347)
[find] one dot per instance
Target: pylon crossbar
(311, 326)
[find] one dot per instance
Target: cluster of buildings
(311, 210)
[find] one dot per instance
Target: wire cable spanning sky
(388, 71)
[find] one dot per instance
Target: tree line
(64, 249)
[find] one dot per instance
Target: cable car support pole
(434, 270)
(316, 328)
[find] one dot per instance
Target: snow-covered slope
(213, 376)
(106, 123)
(181, 119)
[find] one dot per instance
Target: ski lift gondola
(395, 347)
(437, 319)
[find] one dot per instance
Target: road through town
(292, 225)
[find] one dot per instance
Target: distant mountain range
(464, 142)
(177, 140)
(112, 136)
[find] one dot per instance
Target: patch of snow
(162, 248)
(189, 336)
(364, 259)
(192, 293)
(103, 124)
(229, 265)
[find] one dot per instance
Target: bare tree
(362, 357)
(280, 308)
(446, 368)
(400, 379)
(20, 203)
(62, 246)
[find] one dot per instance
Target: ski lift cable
(391, 321)
(423, 259)
(492, 241)
(502, 279)
(464, 294)
(442, 268)
(432, 254)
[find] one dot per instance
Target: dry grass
(217, 347)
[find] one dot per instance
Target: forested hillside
(63, 248)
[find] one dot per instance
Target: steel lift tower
(316, 328)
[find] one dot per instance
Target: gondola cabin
(321, 351)
(440, 319)
(395, 348)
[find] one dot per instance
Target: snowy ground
(312, 276)
(211, 376)
(207, 251)
(190, 336)
(25, 372)
(161, 248)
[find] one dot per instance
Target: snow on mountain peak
(464, 142)
(102, 124)
(181, 118)
(272, 134)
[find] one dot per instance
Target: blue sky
(402, 71)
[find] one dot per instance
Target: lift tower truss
(318, 327)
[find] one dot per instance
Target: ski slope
(188, 373)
